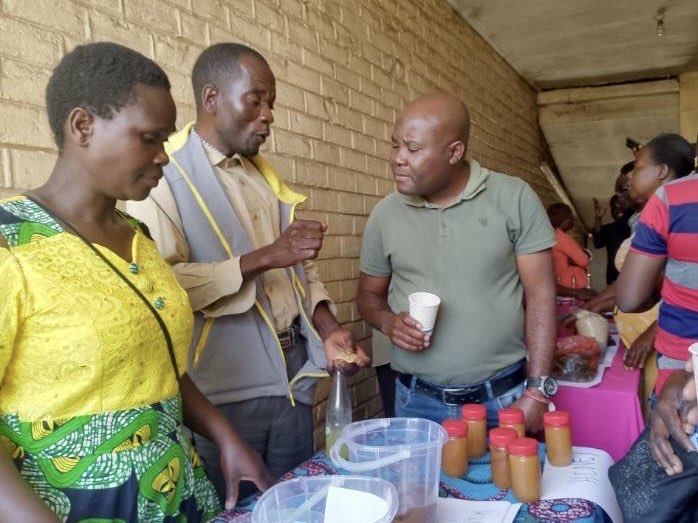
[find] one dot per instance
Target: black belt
(462, 395)
(289, 337)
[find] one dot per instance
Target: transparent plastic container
(404, 451)
(303, 499)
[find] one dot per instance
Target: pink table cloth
(607, 416)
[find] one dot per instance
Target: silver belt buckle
(289, 337)
(452, 390)
(284, 339)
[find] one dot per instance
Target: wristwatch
(546, 385)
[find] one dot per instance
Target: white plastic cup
(423, 308)
(693, 349)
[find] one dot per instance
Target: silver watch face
(549, 386)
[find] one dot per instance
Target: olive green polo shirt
(466, 254)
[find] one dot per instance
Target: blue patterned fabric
(477, 485)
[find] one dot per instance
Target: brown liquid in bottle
(499, 456)
(524, 467)
(475, 415)
(454, 456)
(558, 438)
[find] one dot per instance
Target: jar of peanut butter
(524, 467)
(558, 438)
(513, 418)
(475, 415)
(499, 455)
(454, 456)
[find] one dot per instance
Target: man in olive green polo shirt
(481, 241)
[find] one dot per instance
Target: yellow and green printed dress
(90, 409)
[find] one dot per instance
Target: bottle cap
(473, 412)
(523, 447)
(455, 427)
(556, 418)
(512, 416)
(500, 437)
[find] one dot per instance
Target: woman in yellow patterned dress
(94, 329)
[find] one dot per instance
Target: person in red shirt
(571, 259)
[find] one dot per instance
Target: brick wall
(344, 69)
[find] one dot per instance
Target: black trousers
(279, 432)
(386, 384)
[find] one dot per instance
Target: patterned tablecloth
(477, 485)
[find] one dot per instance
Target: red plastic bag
(576, 358)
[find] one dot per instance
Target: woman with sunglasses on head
(94, 329)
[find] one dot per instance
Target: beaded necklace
(208, 144)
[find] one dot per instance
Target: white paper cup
(693, 349)
(423, 308)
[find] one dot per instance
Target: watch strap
(534, 381)
(538, 383)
